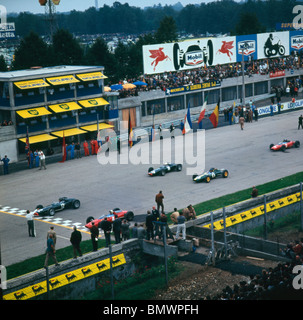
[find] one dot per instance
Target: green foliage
(3, 65)
(32, 51)
(212, 17)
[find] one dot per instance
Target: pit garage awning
(38, 138)
(91, 76)
(68, 132)
(31, 84)
(35, 112)
(64, 107)
(56, 81)
(94, 127)
(93, 102)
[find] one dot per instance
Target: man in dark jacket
(75, 240)
(106, 226)
(149, 226)
(117, 228)
(94, 234)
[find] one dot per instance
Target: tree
(249, 24)
(99, 55)
(32, 51)
(66, 49)
(3, 65)
(167, 31)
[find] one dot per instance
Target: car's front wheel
(297, 144)
(225, 174)
(179, 167)
(129, 215)
(51, 212)
(76, 204)
(89, 219)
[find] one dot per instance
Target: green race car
(212, 173)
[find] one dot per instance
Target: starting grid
(255, 212)
(49, 219)
(65, 279)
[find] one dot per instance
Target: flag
(202, 114)
(152, 134)
(130, 133)
(214, 117)
(187, 121)
(27, 146)
(63, 149)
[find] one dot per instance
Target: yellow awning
(68, 132)
(31, 113)
(38, 138)
(93, 127)
(31, 84)
(64, 107)
(56, 81)
(93, 102)
(91, 76)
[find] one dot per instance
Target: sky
(34, 6)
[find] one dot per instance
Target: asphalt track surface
(102, 187)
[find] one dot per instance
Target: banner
(190, 54)
(205, 52)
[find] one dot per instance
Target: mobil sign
(247, 45)
(295, 40)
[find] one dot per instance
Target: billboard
(295, 41)
(248, 45)
(188, 54)
(274, 44)
(204, 52)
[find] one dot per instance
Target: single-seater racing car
(212, 173)
(123, 214)
(285, 144)
(162, 170)
(62, 204)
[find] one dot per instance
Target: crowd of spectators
(5, 123)
(274, 283)
(219, 72)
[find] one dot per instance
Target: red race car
(123, 214)
(286, 144)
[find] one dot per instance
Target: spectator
(75, 240)
(181, 226)
(149, 226)
(94, 234)
(174, 216)
(117, 228)
(106, 226)
(5, 161)
(254, 192)
(125, 230)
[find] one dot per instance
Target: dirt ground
(198, 281)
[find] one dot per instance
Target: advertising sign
(295, 41)
(190, 54)
(248, 45)
(275, 44)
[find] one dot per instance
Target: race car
(62, 204)
(162, 170)
(123, 214)
(212, 173)
(286, 144)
